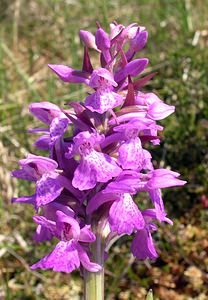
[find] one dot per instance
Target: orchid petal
(25, 199)
(156, 198)
(85, 261)
(47, 189)
(68, 74)
(159, 110)
(88, 39)
(42, 234)
(131, 154)
(95, 167)
(86, 235)
(57, 128)
(43, 142)
(103, 100)
(64, 258)
(48, 225)
(68, 232)
(163, 178)
(132, 68)
(142, 246)
(44, 111)
(124, 216)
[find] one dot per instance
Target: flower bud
(88, 39)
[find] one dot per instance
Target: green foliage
(149, 295)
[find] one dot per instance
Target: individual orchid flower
(156, 108)
(49, 183)
(33, 167)
(52, 115)
(131, 153)
(70, 252)
(94, 166)
(124, 216)
(46, 111)
(120, 34)
(104, 98)
(44, 233)
(152, 182)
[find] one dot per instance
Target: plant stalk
(94, 282)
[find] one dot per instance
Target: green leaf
(149, 295)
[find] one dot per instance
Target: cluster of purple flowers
(97, 162)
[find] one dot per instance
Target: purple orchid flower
(137, 43)
(156, 108)
(49, 183)
(45, 111)
(104, 98)
(52, 115)
(131, 153)
(44, 233)
(33, 167)
(152, 182)
(88, 189)
(120, 35)
(124, 215)
(94, 166)
(70, 252)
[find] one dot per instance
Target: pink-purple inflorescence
(97, 159)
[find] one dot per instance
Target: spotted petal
(93, 168)
(124, 216)
(57, 128)
(131, 155)
(64, 258)
(47, 189)
(103, 100)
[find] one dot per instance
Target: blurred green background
(35, 33)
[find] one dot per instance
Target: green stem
(94, 282)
